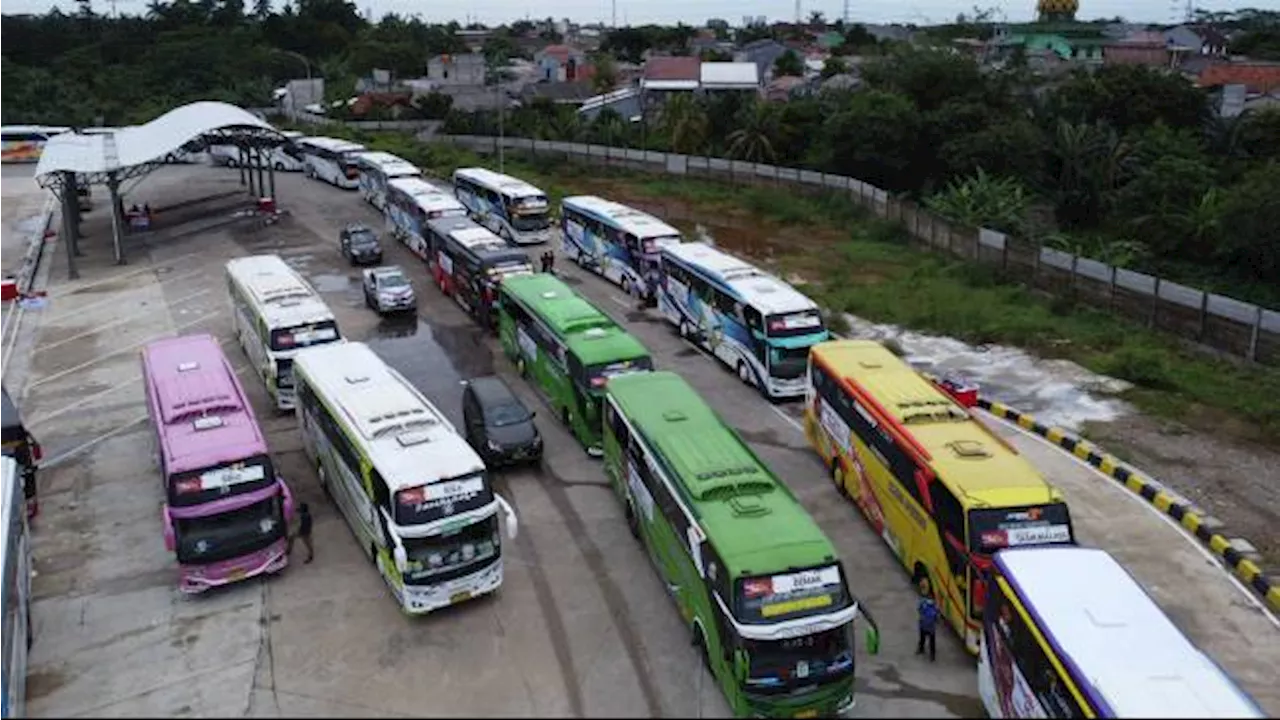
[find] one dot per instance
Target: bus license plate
(807, 713)
(460, 597)
(236, 574)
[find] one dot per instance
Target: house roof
(672, 68)
(561, 53)
(730, 74)
(569, 92)
(1210, 35)
(1257, 77)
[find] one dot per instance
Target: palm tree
(1089, 163)
(752, 140)
(685, 124)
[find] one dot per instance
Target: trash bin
(267, 205)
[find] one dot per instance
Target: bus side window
(753, 318)
(620, 432)
(949, 514)
(381, 493)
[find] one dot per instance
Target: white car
(387, 290)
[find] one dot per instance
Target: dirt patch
(1239, 483)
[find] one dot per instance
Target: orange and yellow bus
(24, 143)
(942, 490)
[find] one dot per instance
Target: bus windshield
(804, 322)
(439, 500)
(227, 535)
(788, 363)
(598, 375)
(786, 596)
(441, 558)
(504, 268)
(233, 478)
(993, 529)
(779, 666)
(524, 221)
(301, 336)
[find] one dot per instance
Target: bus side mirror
(169, 540)
(402, 558)
(513, 524)
(739, 664)
(288, 499)
(873, 641)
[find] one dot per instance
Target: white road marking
(46, 464)
(122, 320)
(120, 276)
(790, 420)
(100, 358)
(1182, 532)
(619, 302)
(116, 298)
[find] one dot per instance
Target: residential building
(671, 74)
(720, 76)
(764, 53)
(1258, 78)
(560, 93)
(562, 63)
(1146, 47)
(785, 88)
(1198, 40)
(626, 102)
(465, 70)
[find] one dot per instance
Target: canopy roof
(136, 150)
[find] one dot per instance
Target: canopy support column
(271, 178)
(241, 164)
(69, 199)
(117, 222)
(260, 160)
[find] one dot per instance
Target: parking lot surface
(581, 626)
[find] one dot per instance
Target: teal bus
(566, 348)
(756, 580)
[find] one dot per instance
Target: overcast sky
(697, 12)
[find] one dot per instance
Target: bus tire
(700, 640)
(522, 368)
(837, 477)
(324, 481)
(626, 286)
(744, 374)
(633, 521)
(373, 554)
(684, 329)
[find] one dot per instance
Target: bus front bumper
(828, 703)
(785, 388)
(422, 599)
(198, 578)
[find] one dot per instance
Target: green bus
(567, 348)
(754, 577)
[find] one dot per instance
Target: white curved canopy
(142, 144)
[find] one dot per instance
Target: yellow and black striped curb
(1179, 508)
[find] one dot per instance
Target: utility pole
(614, 21)
(798, 17)
(847, 17)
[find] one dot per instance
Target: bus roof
(590, 334)
(1118, 642)
(505, 184)
(390, 165)
(285, 299)
(754, 521)
(200, 410)
(333, 144)
(627, 219)
(765, 292)
(46, 129)
(427, 196)
(406, 438)
(11, 488)
(965, 455)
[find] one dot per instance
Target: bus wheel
(837, 476)
(700, 640)
(324, 481)
(633, 522)
(373, 554)
(684, 329)
(521, 368)
(626, 286)
(744, 374)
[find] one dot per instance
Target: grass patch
(877, 274)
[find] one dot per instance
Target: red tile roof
(561, 53)
(1257, 78)
(672, 68)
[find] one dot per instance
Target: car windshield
(506, 414)
(231, 534)
(439, 558)
(392, 281)
(363, 238)
(776, 666)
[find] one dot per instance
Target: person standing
(928, 612)
(303, 534)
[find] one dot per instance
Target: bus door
(468, 278)
(953, 590)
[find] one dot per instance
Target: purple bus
(226, 512)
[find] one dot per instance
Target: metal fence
(1222, 323)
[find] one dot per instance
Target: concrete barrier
(1237, 554)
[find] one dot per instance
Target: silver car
(387, 290)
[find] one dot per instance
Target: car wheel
(279, 167)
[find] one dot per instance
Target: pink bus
(226, 512)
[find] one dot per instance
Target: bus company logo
(188, 486)
(757, 588)
(995, 538)
(1028, 515)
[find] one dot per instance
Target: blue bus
(617, 242)
(512, 208)
(753, 322)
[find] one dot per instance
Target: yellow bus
(942, 490)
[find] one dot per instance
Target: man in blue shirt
(928, 611)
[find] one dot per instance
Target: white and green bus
(276, 313)
(414, 493)
(759, 584)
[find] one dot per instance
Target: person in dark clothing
(928, 612)
(304, 532)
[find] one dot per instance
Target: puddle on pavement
(436, 359)
(1057, 392)
(330, 282)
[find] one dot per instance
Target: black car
(360, 244)
(498, 425)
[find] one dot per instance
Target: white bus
(414, 493)
(25, 143)
(615, 241)
(331, 160)
(513, 209)
(287, 156)
(276, 313)
(412, 203)
(376, 169)
(1068, 633)
(17, 591)
(752, 321)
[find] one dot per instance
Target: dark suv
(498, 425)
(360, 244)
